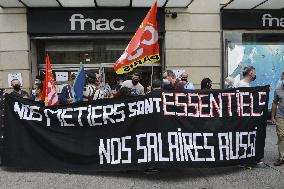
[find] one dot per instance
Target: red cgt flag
(143, 47)
(49, 93)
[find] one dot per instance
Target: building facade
(191, 42)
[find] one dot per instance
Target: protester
(115, 88)
(134, 85)
(17, 91)
(107, 90)
(184, 80)
(170, 82)
(38, 81)
(92, 90)
(156, 86)
(249, 75)
(38, 93)
(206, 83)
(118, 84)
(123, 92)
(67, 94)
(277, 117)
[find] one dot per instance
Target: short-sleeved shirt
(188, 85)
(135, 89)
(91, 93)
(279, 96)
(242, 83)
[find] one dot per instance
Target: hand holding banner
(143, 47)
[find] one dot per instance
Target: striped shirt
(91, 93)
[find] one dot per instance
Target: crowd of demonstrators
(134, 85)
(67, 93)
(95, 89)
(277, 118)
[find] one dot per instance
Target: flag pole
(152, 75)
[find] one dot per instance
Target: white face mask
(34, 92)
(166, 82)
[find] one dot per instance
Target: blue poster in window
(268, 60)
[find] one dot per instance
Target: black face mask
(134, 82)
(17, 87)
(254, 78)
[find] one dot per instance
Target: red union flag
(49, 93)
(143, 47)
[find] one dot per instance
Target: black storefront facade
(94, 37)
(253, 38)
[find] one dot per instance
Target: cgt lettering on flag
(143, 47)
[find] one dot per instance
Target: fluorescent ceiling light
(178, 3)
(113, 3)
(272, 4)
(147, 3)
(11, 3)
(243, 4)
(41, 3)
(76, 3)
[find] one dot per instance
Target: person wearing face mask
(37, 83)
(134, 85)
(249, 74)
(67, 93)
(17, 91)
(170, 82)
(93, 90)
(38, 92)
(184, 80)
(206, 83)
(277, 118)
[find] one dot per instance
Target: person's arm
(123, 84)
(274, 108)
(143, 91)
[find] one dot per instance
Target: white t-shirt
(189, 85)
(243, 83)
(135, 89)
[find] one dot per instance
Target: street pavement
(267, 176)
